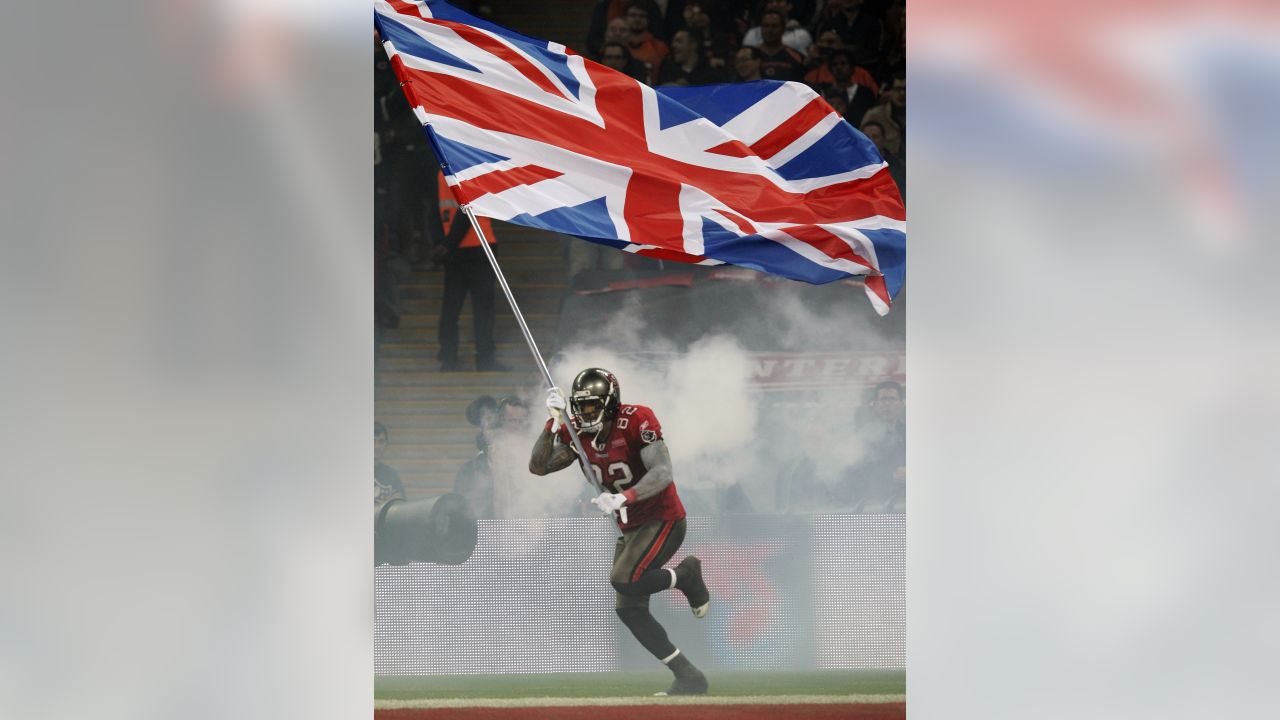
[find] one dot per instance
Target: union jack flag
(762, 175)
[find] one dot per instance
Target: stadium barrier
(788, 591)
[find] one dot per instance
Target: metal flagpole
(537, 355)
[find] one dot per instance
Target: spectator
(778, 62)
(603, 15)
(717, 44)
(824, 17)
(837, 101)
(878, 482)
(483, 479)
(818, 56)
(746, 65)
(466, 272)
(386, 312)
(686, 64)
(407, 167)
(617, 31)
(893, 59)
(644, 46)
(802, 12)
(386, 481)
(794, 36)
(897, 168)
(859, 30)
(855, 83)
(615, 55)
(892, 115)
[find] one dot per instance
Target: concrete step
(407, 452)
(504, 330)
(501, 319)
(429, 289)
(395, 412)
(387, 395)
(484, 383)
(440, 466)
(406, 427)
(517, 358)
(454, 432)
(535, 257)
(438, 400)
(518, 279)
(516, 250)
(413, 352)
(427, 335)
(426, 486)
(541, 302)
(423, 408)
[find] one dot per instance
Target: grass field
(639, 684)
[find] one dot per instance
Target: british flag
(762, 175)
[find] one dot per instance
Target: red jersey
(617, 464)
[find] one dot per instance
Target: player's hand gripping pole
(537, 355)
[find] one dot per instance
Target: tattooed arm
(550, 455)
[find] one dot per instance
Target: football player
(629, 458)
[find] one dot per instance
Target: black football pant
(638, 573)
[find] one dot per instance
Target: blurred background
(189, 351)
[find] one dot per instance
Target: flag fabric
(763, 175)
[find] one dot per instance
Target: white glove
(610, 502)
(555, 403)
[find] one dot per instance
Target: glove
(555, 403)
(609, 502)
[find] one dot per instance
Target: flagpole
(533, 348)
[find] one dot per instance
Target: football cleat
(689, 581)
(690, 683)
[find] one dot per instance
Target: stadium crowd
(852, 52)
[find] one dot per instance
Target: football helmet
(594, 398)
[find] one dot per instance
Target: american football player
(626, 452)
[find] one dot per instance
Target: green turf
(622, 684)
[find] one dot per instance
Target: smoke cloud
(735, 446)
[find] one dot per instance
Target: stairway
(422, 407)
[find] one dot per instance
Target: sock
(674, 578)
(680, 666)
(650, 582)
(681, 573)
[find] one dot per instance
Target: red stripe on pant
(653, 550)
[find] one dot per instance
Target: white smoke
(721, 429)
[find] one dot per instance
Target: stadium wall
(788, 591)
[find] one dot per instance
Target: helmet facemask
(589, 411)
